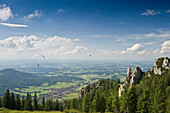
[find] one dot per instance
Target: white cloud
(60, 10)
(165, 47)
(78, 49)
(150, 12)
(53, 46)
(36, 13)
(143, 53)
(134, 48)
(5, 13)
(167, 11)
(13, 25)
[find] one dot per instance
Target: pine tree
(102, 103)
(43, 103)
(109, 104)
(57, 105)
(73, 104)
(124, 101)
(61, 106)
(22, 103)
(6, 99)
(48, 105)
(86, 103)
(28, 103)
(12, 103)
(35, 103)
(115, 101)
(18, 102)
(132, 100)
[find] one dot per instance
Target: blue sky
(73, 29)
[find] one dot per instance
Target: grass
(3, 110)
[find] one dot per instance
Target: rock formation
(87, 89)
(131, 78)
(159, 65)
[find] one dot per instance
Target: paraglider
(38, 56)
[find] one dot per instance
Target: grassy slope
(3, 110)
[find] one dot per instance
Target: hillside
(141, 92)
(10, 78)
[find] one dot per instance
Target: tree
(61, 106)
(124, 101)
(43, 103)
(48, 105)
(115, 101)
(102, 103)
(12, 103)
(18, 103)
(35, 103)
(22, 103)
(28, 103)
(73, 104)
(6, 99)
(86, 103)
(57, 105)
(132, 100)
(109, 104)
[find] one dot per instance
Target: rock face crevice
(132, 78)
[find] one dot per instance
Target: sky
(76, 29)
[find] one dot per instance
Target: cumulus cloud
(13, 25)
(150, 12)
(165, 47)
(36, 13)
(5, 13)
(32, 44)
(134, 48)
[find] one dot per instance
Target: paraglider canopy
(38, 55)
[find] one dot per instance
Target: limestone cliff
(160, 65)
(131, 78)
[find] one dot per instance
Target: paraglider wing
(38, 55)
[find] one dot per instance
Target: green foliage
(18, 103)
(28, 103)
(6, 100)
(57, 105)
(12, 102)
(35, 103)
(86, 104)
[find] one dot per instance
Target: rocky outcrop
(88, 88)
(159, 66)
(131, 78)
